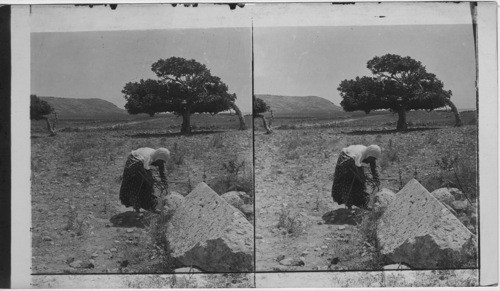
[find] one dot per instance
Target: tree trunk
(186, 122)
(50, 128)
(243, 126)
(458, 120)
(264, 122)
(402, 125)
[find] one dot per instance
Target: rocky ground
(293, 175)
(77, 174)
(76, 178)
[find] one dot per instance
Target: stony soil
(76, 178)
(293, 176)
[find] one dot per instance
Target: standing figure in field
(349, 181)
(137, 189)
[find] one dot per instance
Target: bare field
(294, 169)
(75, 182)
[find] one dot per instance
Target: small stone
(328, 238)
(324, 247)
(396, 267)
(107, 252)
(117, 241)
(76, 264)
(304, 253)
(46, 238)
(317, 249)
(113, 250)
(94, 255)
(341, 227)
(292, 262)
(460, 206)
(258, 236)
(130, 230)
(320, 222)
(92, 261)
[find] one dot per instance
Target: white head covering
(149, 155)
(361, 152)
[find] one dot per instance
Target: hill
(301, 105)
(93, 108)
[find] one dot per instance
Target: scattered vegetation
(236, 177)
(218, 141)
(289, 222)
(455, 172)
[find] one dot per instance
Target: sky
(301, 61)
(299, 49)
(98, 64)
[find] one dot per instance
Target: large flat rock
(208, 233)
(416, 229)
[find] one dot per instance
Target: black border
(5, 147)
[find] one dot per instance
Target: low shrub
(288, 222)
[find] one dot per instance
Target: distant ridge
(300, 105)
(92, 108)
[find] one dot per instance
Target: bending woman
(349, 181)
(137, 189)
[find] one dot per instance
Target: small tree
(236, 109)
(38, 111)
(260, 107)
(400, 84)
(184, 87)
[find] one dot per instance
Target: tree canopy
(39, 108)
(183, 87)
(399, 84)
(259, 106)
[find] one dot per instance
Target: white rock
(443, 195)
(382, 199)
(208, 233)
(419, 231)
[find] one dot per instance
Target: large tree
(399, 84)
(39, 109)
(184, 87)
(260, 107)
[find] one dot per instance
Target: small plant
(455, 172)
(177, 157)
(391, 154)
(218, 141)
(72, 216)
(317, 203)
(288, 222)
(432, 139)
(80, 226)
(368, 228)
(235, 178)
(76, 151)
(158, 231)
(233, 167)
